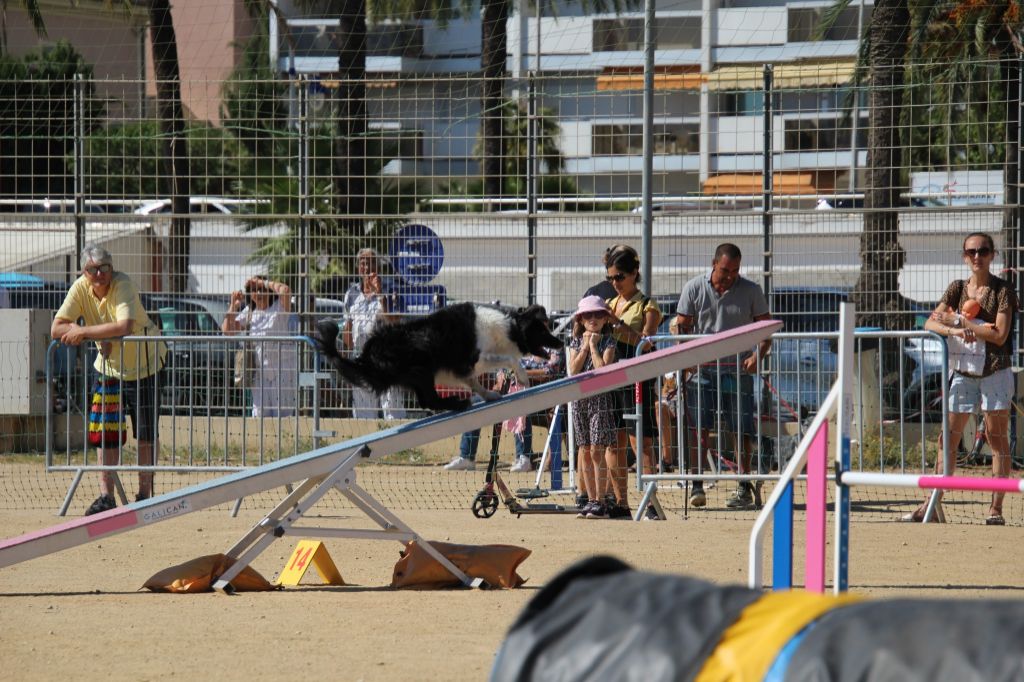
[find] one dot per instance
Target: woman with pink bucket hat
(592, 346)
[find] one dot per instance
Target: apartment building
(709, 123)
(114, 39)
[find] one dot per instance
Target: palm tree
(350, 143)
(944, 44)
(174, 144)
(493, 55)
(959, 45)
(876, 292)
(514, 137)
(494, 16)
(350, 172)
(174, 159)
(953, 33)
(35, 15)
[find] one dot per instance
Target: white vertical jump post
(812, 452)
(844, 424)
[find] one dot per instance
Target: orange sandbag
(496, 564)
(199, 575)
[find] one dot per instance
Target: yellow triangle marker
(307, 553)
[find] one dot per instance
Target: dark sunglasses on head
(617, 277)
(983, 251)
(106, 268)
(591, 315)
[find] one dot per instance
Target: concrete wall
(24, 338)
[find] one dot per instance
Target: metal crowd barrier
(788, 386)
(207, 420)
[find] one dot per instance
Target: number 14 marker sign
(307, 553)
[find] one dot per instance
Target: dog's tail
(327, 344)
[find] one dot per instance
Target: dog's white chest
(497, 350)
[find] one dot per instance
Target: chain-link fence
(298, 176)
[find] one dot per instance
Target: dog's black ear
(327, 341)
(534, 312)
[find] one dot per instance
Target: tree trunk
(1010, 71)
(350, 142)
(493, 54)
(879, 303)
(174, 161)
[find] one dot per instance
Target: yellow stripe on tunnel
(749, 646)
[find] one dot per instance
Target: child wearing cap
(592, 346)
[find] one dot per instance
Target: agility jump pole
(812, 449)
(925, 482)
(335, 464)
(812, 453)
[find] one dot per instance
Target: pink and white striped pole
(993, 485)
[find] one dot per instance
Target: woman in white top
(365, 307)
(269, 313)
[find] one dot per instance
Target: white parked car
(204, 205)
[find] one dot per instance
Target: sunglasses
(106, 269)
(594, 314)
(617, 277)
(983, 252)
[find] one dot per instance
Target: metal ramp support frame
(282, 520)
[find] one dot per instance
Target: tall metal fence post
(646, 177)
(79, 173)
(766, 182)
(303, 246)
(532, 167)
(1014, 201)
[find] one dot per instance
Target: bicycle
(975, 456)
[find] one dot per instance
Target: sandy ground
(78, 615)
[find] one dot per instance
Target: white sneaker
(460, 464)
(522, 465)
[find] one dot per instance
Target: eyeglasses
(593, 314)
(617, 277)
(983, 252)
(106, 269)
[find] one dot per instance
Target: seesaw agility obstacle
(334, 466)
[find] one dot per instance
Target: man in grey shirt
(713, 303)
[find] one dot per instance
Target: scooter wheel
(484, 505)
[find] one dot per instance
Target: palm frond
(829, 18)
(35, 15)
(928, 16)
(981, 25)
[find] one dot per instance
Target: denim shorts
(723, 401)
(993, 392)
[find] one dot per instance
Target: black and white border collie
(450, 346)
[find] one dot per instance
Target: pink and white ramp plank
(334, 465)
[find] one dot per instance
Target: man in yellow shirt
(108, 304)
